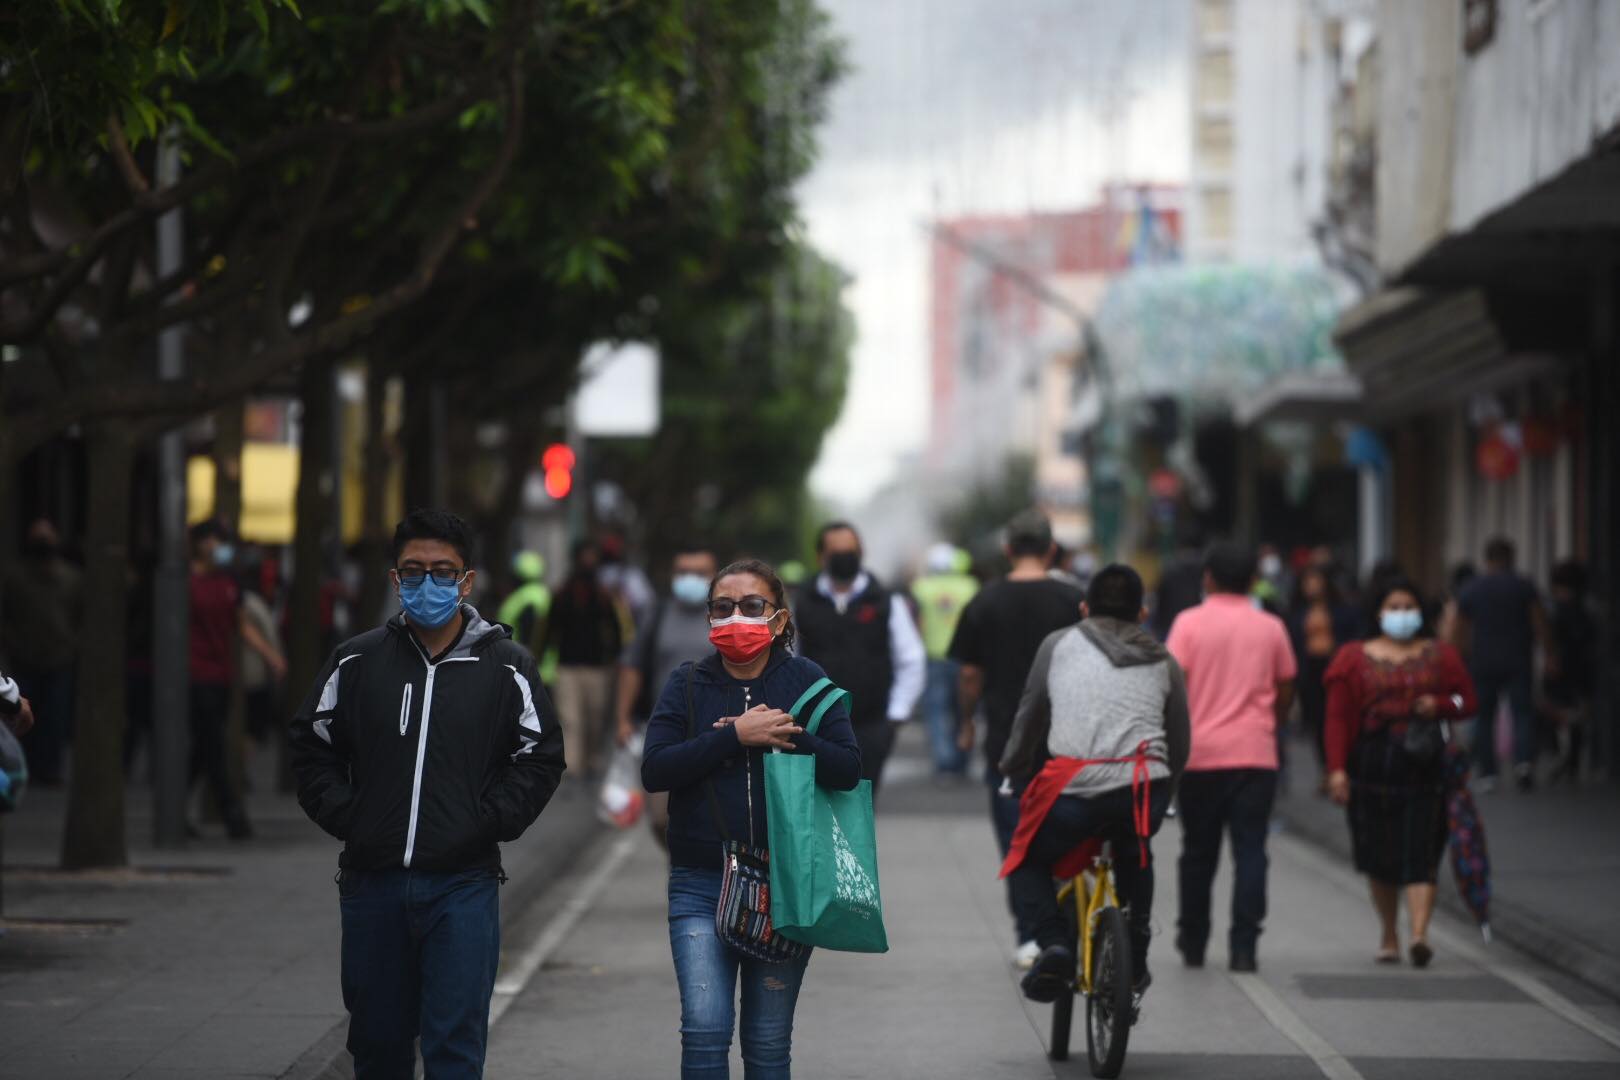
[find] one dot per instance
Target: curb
(1514, 925)
(328, 1057)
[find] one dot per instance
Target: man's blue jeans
(1490, 686)
(1004, 819)
(706, 969)
(940, 713)
(419, 957)
(1235, 801)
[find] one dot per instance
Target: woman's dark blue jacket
(673, 762)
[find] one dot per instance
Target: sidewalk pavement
(216, 962)
(1555, 865)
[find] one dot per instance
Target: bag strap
(833, 697)
(809, 695)
(708, 782)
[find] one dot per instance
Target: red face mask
(741, 639)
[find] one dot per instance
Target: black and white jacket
(426, 762)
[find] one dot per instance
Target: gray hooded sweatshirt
(1100, 690)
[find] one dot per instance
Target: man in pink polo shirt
(1240, 682)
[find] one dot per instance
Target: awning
(1310, 396)
(1414, 349)
(1212, 336)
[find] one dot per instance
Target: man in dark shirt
(1500, 620)
(585, 629)
(996, 641)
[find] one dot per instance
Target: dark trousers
(1072, 821)
(1313, 704)
(419, 955)
(1004, 819)
(875, 741)
(50, 695)
(210, 703)
(1237, 801)
(1490, 686)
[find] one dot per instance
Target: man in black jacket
(865, 639)
(423, 743)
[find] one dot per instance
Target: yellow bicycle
(1102, 971)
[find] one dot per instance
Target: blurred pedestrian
(1318, 623)
(585, 630)
(1570, 686)
(713, 724)
(625, 582)
(1240, 682)
(1449, 625)
(217, 620)
(43, 615)
(261, 679)
(941, 594)
(526, 608)
(1181, 585)
(1388, 699)
(1500, 618)
(1105, 709)
(422, 744)
(677, 633)
(1000, 632)
(864, 637)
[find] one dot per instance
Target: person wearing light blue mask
(677, 632)
(1389, 703)
(423, 745)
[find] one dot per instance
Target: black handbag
(1424, 738)
(743, 916)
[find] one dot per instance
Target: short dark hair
(1499, 550)
(773, 581)
(431, 523)
(211, 529)
(1232, 566)
(1570, 575)
(693, 547)
(1029, 533)
(831, 527)
(1115, 591)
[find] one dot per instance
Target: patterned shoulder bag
(743, 917)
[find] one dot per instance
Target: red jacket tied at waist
(1042, 794)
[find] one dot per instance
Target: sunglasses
(412, 576)
(723, 607)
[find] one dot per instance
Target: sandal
(1421, 954)
(1388, 956)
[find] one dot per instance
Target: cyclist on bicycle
(1100, 739)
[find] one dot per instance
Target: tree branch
(118, 146)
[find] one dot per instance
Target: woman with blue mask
(1390, 702)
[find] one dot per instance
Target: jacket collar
(476, 632)
(841, 600)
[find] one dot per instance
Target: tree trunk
(374, 527)
(317, 475)
(228, 439)
(94, 833)
(522, 446)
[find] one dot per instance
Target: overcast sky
(965, 106)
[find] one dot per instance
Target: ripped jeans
(707, 972)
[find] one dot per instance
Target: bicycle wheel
(1108, 1006)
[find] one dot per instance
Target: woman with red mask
(709, 733)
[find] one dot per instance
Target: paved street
(944, 1003)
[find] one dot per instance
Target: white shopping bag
(621, 800)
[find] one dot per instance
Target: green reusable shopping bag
(823, 843)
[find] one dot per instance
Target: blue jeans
(1237, 801)
(419, 957)
(706, 969)
(1490, 685)
(940, 713)
(1004, 820)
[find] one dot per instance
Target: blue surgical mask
(430, 605)
(690, 589)
(1401, 625)
(224, 554)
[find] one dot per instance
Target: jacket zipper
(405, 709)
(421, 756)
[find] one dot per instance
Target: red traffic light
(558, 464)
